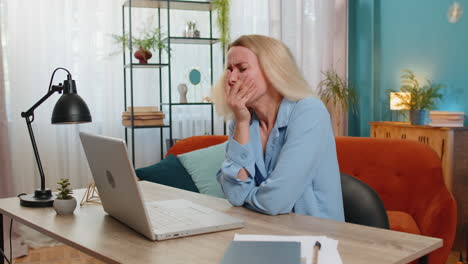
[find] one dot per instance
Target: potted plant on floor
(418, 99)
(65, 203)
(150, 40)
(338, 95)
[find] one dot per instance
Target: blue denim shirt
(297, 173)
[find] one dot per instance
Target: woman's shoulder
(310, 105)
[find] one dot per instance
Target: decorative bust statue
(182, 88)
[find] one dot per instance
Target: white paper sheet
(327, 254)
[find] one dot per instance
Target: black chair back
(362, 205)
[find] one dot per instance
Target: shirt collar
(285, 109)
(284, 112)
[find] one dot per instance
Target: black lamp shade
(70, 107)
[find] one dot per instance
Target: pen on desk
(317, 247)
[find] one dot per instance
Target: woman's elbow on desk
(269, 209)
(232, 192)
(235, 202)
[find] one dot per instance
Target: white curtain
(249, 17)
(6, 177)
(76, 34)
(315, 31)
(43, 35)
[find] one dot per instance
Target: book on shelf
(450, 118)
(446, 115)
(143, 113)
(446, 124)
(143, 117)
(142, 123)
(156, 115)
(142, 109)
(446, 119)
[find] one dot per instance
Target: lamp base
(40, 198)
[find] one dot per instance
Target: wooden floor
(57, 255)
(66, 254)
(453, 257)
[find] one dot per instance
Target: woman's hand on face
(238, 94)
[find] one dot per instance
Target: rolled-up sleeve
(238, 156)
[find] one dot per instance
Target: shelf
(140, 127)
(198, 41)
(174, 4)
(187, 103)
(147, 65)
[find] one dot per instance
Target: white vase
(64, 207)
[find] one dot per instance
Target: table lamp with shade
(69, 109)
(397, 100)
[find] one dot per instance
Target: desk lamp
(69, 109)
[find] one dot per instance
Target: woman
(281, 155)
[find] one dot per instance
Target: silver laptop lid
(116, 181)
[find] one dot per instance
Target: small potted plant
(150, 40)
(418, 99)
(342, 95)
(64, 203)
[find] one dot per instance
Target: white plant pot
(64, 207)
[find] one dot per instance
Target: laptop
(121, 197)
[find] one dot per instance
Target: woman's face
(243, 63)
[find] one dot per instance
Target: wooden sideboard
(451, 144)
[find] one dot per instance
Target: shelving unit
(130, 66)
(148, 65)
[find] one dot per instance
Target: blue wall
(386, 36)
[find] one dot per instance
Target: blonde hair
(278, 65)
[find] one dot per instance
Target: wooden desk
(92, 231)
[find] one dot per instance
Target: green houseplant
(418, 99)
(340, 92)
(222, 8)
(65, 203)
(149, 40)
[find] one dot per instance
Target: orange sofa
(407, 175)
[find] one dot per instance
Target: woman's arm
(237, 95)
(242, 136)
(238, 169)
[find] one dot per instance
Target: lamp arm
(36, 152)
(52, 90)
(30, 111)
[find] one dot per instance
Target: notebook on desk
(263, 252)
(121, 198)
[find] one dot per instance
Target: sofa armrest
(438, 218)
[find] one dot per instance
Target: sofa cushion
(195, 143)
(170, 172)
(203, 165)
(403, 222)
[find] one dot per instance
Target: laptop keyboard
(162, 217)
